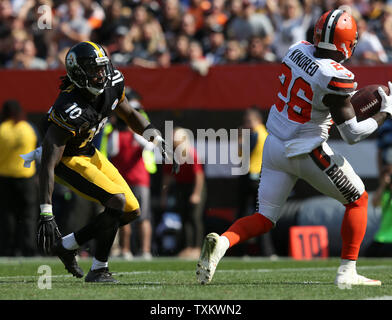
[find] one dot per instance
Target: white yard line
(218, 271)
(380, 298)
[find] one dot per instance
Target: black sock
(104, 242)
(102, 223)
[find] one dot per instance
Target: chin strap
(95, 91)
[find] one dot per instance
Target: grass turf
(174, 279)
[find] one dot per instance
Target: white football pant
(326, 171)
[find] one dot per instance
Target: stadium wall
(226, 87)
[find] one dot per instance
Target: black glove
(47, 233)
(166, 156)
(151, 132)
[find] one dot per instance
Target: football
(367, 101)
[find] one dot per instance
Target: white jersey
(299, 118)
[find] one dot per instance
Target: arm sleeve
(353, 131)
(336, 80)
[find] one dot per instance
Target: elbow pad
(353, 131)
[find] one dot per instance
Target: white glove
(34, 155)
(386, 103)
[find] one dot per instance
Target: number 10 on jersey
(296, 93)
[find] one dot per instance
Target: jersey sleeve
(337, 80)
(341, 85)
(63, 117)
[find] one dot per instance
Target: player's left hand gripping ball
(47, 233)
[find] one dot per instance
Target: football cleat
(101, 275)
(347, 277)
(68, 258)
(211, 253)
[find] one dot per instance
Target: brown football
(367, 101)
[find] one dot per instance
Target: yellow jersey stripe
(122, 96)
(69, 88)
(61, 123)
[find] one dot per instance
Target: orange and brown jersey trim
(341, 85)
(61, 123)
(320, 158)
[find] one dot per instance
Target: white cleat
(347, 277)
(211, 253)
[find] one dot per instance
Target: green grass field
(174, 279)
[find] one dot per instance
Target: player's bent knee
(362, 201)
(128, 217)
(117, 202)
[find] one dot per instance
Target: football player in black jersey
(90, 92)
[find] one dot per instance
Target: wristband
(151, 137)
(149, 126)
(157, 139)
(46, 209)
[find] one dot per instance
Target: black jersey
(82, 117)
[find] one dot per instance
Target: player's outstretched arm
(132, 117)
(343, 115)
(52, 151)
(143, 127)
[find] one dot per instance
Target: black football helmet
(88, 66)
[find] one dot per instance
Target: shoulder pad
(298, 43)
(338, 79)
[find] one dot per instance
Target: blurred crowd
(36, 34)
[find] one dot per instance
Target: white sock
(352, 264)
(69, 242)
(98, 264)
(225, 242)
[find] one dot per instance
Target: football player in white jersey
(315, 92)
